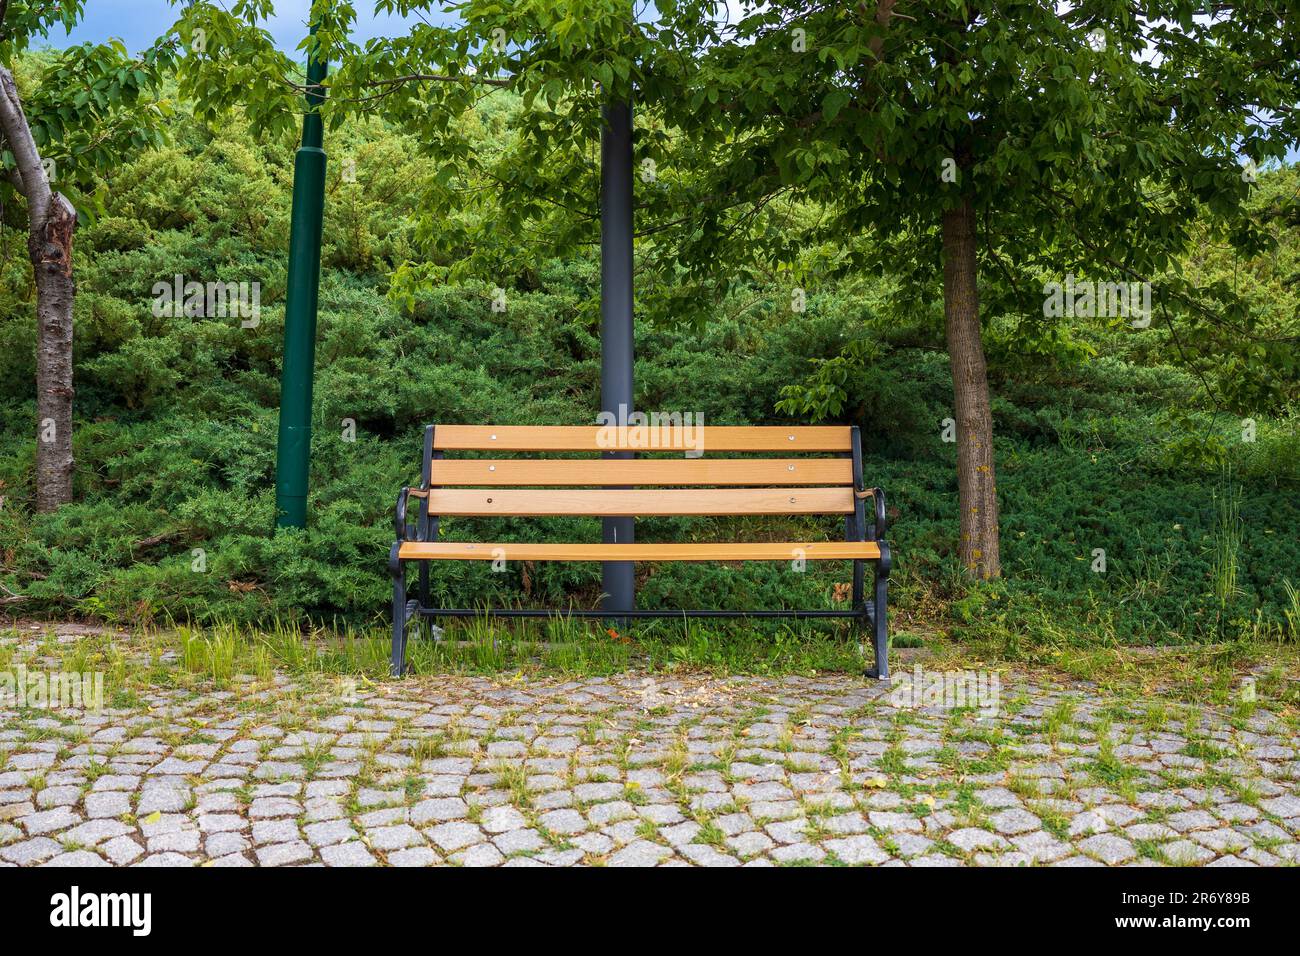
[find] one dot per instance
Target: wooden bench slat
(636, 502)
(725, 551)
(646, 471)
(708, 438)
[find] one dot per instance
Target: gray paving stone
(275, 831)
(122, 850)
(111, 803)
(502, 819)
(594, 844)
(554, 800)
(453, 836)
(269, 807)
(1014, 821)
(1088, 822)
(1108, 848)
(166, 860)
(601, 814)
(225, 843)
(49, 821)
(352, 853)
(1289, 852)
(702, 855)
(559, 857)
(856, 849)
(640, 853)
(1191, 820)
(750, 844)
(221, 822)
(284, 854)
(519, 841)
(395, 838)
(233, 859)
(1221, 841)
(1285, 806)
(387, 817)
(799, 853)
(894, 822)
(565, 822)
(415, 856)
(682, 833)
(93, 832)
(972, 838)
(595, 792)
(1150, 831)
(1041, 846)
(58, 797)
(439, 810)
(662, 813)
(1237, 812)
(328, 832)
(79, 859)
(175, 841)
(907, 845)
(481, 854)
(995, 797)
(845, 823)
(1186, 853)
(162, 800)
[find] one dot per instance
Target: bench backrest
(609, 486)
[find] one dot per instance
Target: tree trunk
(51, 254)
(976, 484)
(51, 223)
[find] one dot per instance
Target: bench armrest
(881, 528)
(401, 527)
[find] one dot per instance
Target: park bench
(796, 483)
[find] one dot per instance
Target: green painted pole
(293, 450)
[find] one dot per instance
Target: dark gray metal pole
(616, 323)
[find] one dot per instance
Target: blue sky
(137, 23)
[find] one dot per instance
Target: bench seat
(726, 551)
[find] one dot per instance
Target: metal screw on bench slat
(791, 501)
(790, 467)
(494, 437)
(492, 467)
(791, 438)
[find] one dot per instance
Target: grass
(226, 652)
(1227, 543)
(1147, 685)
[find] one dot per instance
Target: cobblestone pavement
(636, 771)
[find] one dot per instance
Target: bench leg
(880, 617)
(399, 621)
(880, 631)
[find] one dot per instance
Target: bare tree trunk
(51, 223)
(976, 484)
(50, 247)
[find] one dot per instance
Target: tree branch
(35, 184)
(442, 78)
